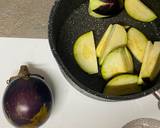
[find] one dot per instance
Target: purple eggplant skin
(27, 102)
(113, 7)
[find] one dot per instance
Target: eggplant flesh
(112, 7)
(105, 8)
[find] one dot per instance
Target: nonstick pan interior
(69, 19)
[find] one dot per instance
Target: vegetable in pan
(117, 37)
(117, 59)
(122, 85)
(107, 8)
(117, 62)
(151, 61)
(139, 11)
(137, 43)
(85, 53)
(103, 42)
(104, 8)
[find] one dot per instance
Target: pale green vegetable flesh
(103, 42)
(85, 54)
(122, 85)
(116, 62)
(137, 43)
(129, 61)
(139, 11)
(117, 38)
(91, 13)
(154, 61)
(156, 68)
(150, 66)
(143, 71)
(93, 4)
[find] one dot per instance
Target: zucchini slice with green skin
(137, 43)
(103, 42)
(117, 38)
(117, 62)
(139, 11)
(122, 85)
(150, 66)
(85, 53)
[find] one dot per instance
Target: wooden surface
(24, 18)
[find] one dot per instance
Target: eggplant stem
(23, 72)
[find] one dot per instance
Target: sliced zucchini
(117, 38)
(85, 54)
(103, 42)
(139, 11)
(150, 66)
(129, 61)
(137, 43)
(154, 61)
(116, 62)
(144, 71)
(122, 85)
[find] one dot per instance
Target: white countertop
(72, 109)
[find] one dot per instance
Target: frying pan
(69, 19)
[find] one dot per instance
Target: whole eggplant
(27, 100)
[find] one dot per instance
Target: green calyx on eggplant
(27, 100)
(105, 8)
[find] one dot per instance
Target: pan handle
(157, 94)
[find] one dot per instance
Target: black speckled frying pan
(68, 20)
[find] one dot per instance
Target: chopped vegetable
(122, 85)
(139, 11)
(117, 38)
(104, 8)
(117, 62)
(85, 53)
(137, 43)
